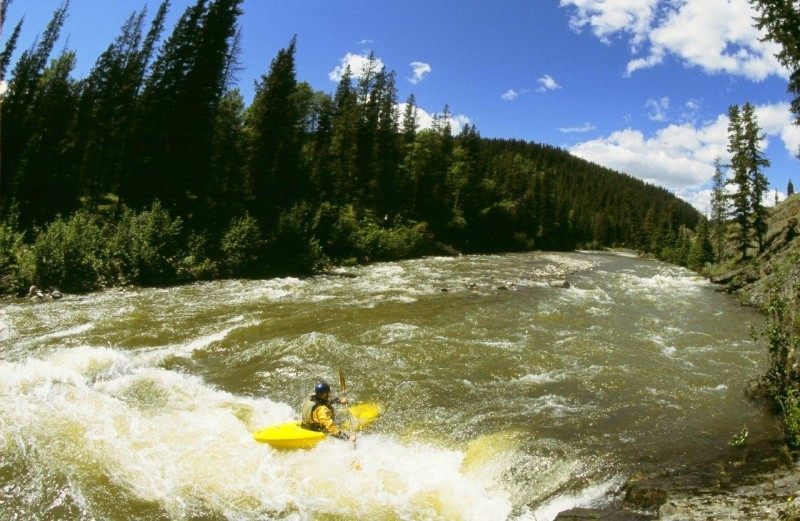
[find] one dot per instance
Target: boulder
(560, 283)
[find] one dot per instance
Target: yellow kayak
(290, 435)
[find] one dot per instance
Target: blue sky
(641, 86)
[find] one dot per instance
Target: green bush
(295, 248)
(69, 254)
(197, 264)
(145, 247)
(11, 248)
(242, 246)
(376, 243)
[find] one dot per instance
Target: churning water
(503, 397)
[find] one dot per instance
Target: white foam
(166, 437)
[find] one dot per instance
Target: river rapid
(503, 397)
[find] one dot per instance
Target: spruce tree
(755, 163)
(789, 189)
(742, 196)
(719, 209)
(701, 251)
(273, 122)
(17, 118)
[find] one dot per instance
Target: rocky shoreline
(756, 483)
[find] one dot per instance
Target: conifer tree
(719, 209)
(701, 251)
(47, 184)
(108, 105)
(273, 123)
(17, 118)
(742, 196)
(789, 189)
(178, 109)
(755, 163)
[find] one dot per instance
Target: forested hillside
(154, 169)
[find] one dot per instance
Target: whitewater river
(503, 397)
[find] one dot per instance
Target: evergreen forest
(153, 169)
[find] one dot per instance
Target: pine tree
(742, 197)
(701, 251)
(17, 118)
(273, 122)
(755, 163)
(719, 209)
(108, 105)
(179, 103)
(789, 189)
(47, 183)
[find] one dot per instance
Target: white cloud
(587, 127)
(658, 108)
(420, 70)
(510, 94)
(681, 157)
(357, 63)
(715, 35)
(547, 83)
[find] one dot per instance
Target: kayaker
(318, 414)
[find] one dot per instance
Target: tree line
(154, 169)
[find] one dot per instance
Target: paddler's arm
(324, 416)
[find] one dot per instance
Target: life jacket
(307, 412)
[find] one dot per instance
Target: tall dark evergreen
(18, 120)
(273, 123)
(742, 197)
(789, 188)
(756, 162)
(174, 135)
(344, 141)
(108, 106)
(11, 43)
(719, 210)
(47, 182)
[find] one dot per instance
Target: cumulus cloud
(715, 35)
(587, 127)
(680, 157)
(547, 83)
(357, 63)
(419, 71)
(510, 95)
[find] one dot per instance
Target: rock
(560, 283)
(585, 514)
(645, 497)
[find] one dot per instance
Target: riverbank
(754, 483)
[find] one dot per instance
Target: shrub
(242, 246)
(145, 246)
(295, 248)
(197, 264)
(376, 243)
(11, 247)
(69, 254)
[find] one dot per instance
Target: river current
(503, 397)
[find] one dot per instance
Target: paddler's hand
(352, 438)
(343, 400)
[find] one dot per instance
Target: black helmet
(321, 388)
